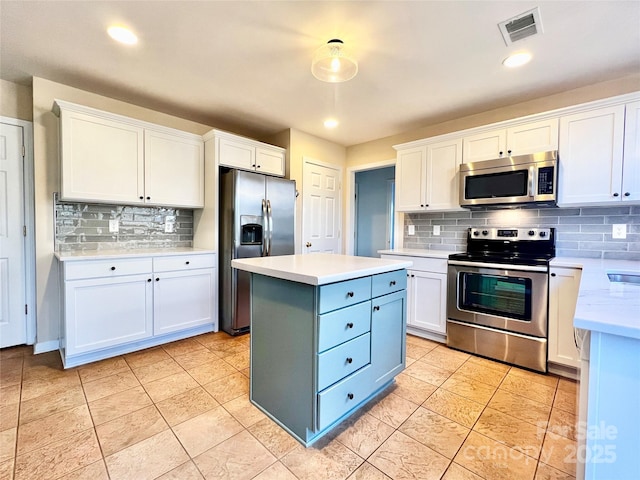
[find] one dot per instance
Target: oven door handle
(500, 266)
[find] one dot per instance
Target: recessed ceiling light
(517, 59)
(122, 35)
(331, 123)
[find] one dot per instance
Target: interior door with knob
(321, 214)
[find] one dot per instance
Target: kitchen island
(327, 334)
(609, 428)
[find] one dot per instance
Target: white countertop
(318, 268)
(417, 252)
(605, 306)
(130, 253)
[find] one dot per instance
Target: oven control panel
(512, 233)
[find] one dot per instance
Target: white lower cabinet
(564, 284)
(119, 305)
(103, 312)
(426, 295)
(427, 301)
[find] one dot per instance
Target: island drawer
(337, 400)
(390, 282)
(337, 363)
(183, 262)
(106, 268)
(343, 294)
(342, 325)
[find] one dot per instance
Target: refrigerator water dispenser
(250, 230)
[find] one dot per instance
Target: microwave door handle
(532, 181)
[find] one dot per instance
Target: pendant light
(334, 62)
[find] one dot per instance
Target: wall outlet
(619, 230)
(114, 226)
(412, 229)
(169, 224)
(436, 229)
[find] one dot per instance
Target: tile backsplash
(85, 226)
(580, 232)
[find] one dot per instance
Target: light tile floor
(182, 411)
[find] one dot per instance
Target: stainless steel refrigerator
(257, 215)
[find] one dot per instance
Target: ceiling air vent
(521, 26)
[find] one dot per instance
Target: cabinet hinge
(26, 309)
(24, 151)
(24, 230)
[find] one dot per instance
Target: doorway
(374, 211)
(17, 273)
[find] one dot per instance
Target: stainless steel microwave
(523, 180)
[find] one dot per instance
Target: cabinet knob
(350, 396)
(148, 198)
(141, 197)
(616, 194)
(553, 274)
(376, 308)
(308, 244)
(350, 294)
(113, 268)
(257, 166)
(421, 205)
(187, 262)
(412, 275)
(627, 194)
(392, 283)
(157, 279)
(509, 152)
(349, 325)
(349, 359)
(500, 153)
(148, 279)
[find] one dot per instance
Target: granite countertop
(318, 268)
(604, 306)
(417, 252)
(130, 253)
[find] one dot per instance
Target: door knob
(308, 244)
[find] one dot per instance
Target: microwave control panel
(545, 180)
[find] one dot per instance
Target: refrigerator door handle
(265, 228)
(270, 231)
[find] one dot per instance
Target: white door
(13, 325)
(427, 301)
(320, 209)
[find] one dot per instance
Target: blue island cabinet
(320, 352)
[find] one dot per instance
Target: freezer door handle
(265, 228)
(270, 229)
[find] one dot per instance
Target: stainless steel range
(498, 295)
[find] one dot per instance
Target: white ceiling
(244, 66)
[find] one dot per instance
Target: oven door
(511, 298)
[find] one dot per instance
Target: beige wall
(47, 180)
(382, 149)
(16, 101)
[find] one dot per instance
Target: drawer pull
(187, 262)
(376, 308)
(392, 283)
(148, 280)
(350, 396)
(349, 325)
(350, 294)
(113, 268)
(157, 279)
(349, 360)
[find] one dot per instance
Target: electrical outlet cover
(114, 226)
(619, 230)
(412, 229)
(436, 229)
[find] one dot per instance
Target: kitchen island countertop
(318, 268)
(604, 306)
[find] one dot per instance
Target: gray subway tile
(603, 246)
(561, 252)
(617, 210)
(584, 220)
(621, 255)
(611, 219)
(559, 212)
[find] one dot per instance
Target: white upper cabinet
(411, 179)
(523, 139)
(631, 165)
(174, 169)
(426, 177)
(109, 158)
(101, 160)
(246, 154)
(591, 157)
